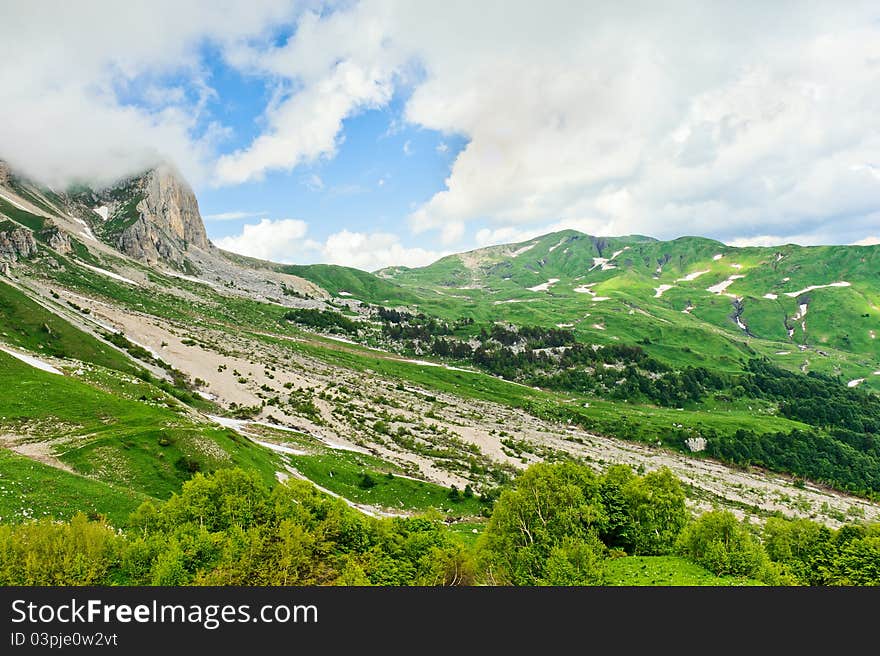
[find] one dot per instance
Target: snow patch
(692, 276)
(18, 205)
(688, 309)
(585, 289)
(279, 448)
(856, 382)
(553, 248)
(721, 286)
(341, 293)
(772, 297)
(36, 363)
(544, 286)
(842, 283)
(104, 272)
(596, 299)
(659, 290)
(520, 251)
(598, 326)
(102, 211)
(86, 231)
(717, 257)
(737, 266)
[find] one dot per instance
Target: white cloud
(314, 182)
(232, 216)
(618, 117)
(286, 240)
(442, 147)
(868, 241)
(407, 148)
(70, 71)
(732, 121)
(372, 251)
(336, 66)
(274, 240)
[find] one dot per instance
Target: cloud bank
(736, 121)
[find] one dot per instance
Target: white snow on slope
(32, 361)
(341, 293)
(585, 289)
(86, 231)
(772, 297)
(520, 251)
(553, 248)
(692, 276)
(18, 205)
(600, 298)
(856, 382)
(544, 286)
(842, 283)
(658, 291)
(717, 257)
(721, 286)
(102, 211)
(104, 272)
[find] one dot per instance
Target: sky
(393, 132)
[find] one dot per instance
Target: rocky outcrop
(165, 223)
(16, 244)
(56, 239)
(5, 173)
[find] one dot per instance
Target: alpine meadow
(604, 314)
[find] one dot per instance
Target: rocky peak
(5, 173)
(16, 243)
(155, 216)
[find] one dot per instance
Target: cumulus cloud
(286, 241)
(232, 216)
(372, 251)
(269, 239)
(728, 120)
(622, 117)
(868, 241)
(94, 91)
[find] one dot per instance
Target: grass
(31, 490)
(29, 325)
(343, 473)
(118, 430)
(665, 571)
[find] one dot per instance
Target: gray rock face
(4, 172)
(168, 222)
(56, 239)
(16, 244)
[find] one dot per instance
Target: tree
(721, 544)
(551, 507)
(655, 505)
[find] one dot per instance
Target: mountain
(811, 308)
(134, 353)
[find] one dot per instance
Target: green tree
(551, 506)
(723, 545)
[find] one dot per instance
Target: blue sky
(388, 132)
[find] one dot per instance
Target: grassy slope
(30, 490)
(665, 571)
(27, 324)
(839, 320)
(123, 432)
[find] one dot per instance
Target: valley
(136, 354)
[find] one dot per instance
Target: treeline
(559, 524)
(326, 320)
